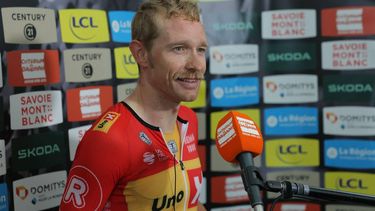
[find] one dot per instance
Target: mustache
(195, 75)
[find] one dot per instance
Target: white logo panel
(35, 109)
(348, 55)
(291, 88)
(349, 120)
(39, 192)
(234, 59)
(289, 24)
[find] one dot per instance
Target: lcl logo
(351, 183)
(83, 22)
(291, 149)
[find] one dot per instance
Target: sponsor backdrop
(304, 71)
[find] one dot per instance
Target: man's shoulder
(110, 119)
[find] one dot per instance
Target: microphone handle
(250, 180)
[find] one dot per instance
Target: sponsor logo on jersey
(167, 202)
(349, 153)
(29, 25)
(349, 120)
(291, 121)
(39, 192)
(195, 182)
(349, 21)
(292, 152)
(348, 55)
(33, 67)
(143, 137)
(234, 59)
(231, 92)
(35, 109)
(79, 184)
(83, 25)
(106, 122)
(289, 24)
(350, 181)
(149, 158)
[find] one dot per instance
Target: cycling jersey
(124, 163)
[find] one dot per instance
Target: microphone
(238, 140)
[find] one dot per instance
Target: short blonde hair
(146, 23)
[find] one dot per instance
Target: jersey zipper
(183, 130)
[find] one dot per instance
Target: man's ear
(139, 53)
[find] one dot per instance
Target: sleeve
(99, 163)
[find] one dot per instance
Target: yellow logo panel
(200, 102)
(106, 122)
(83, 26)
(254, 114)
(126, 66)
(362, 183)
(292, 152)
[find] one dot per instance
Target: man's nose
(196, 62)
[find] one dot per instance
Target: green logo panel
(289, 57)
(348, 88)
(39, 151)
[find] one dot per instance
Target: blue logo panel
(349, 153)
(291, 121)
(120, 24)
(230, 92)
(4, 205)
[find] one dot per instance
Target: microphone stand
(290, 189)
(253, 182)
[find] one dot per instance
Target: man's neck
(153, 109)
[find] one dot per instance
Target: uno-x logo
(198, 186)
(22, 192)
(76, 192)
(167, 201)
(331, 117)
(106, 122)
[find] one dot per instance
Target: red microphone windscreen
(236, 133)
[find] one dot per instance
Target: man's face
(177, 60)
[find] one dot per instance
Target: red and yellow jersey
(124, 163)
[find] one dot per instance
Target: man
(142, 153)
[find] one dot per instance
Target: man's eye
(202, 50)
(179, 49)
